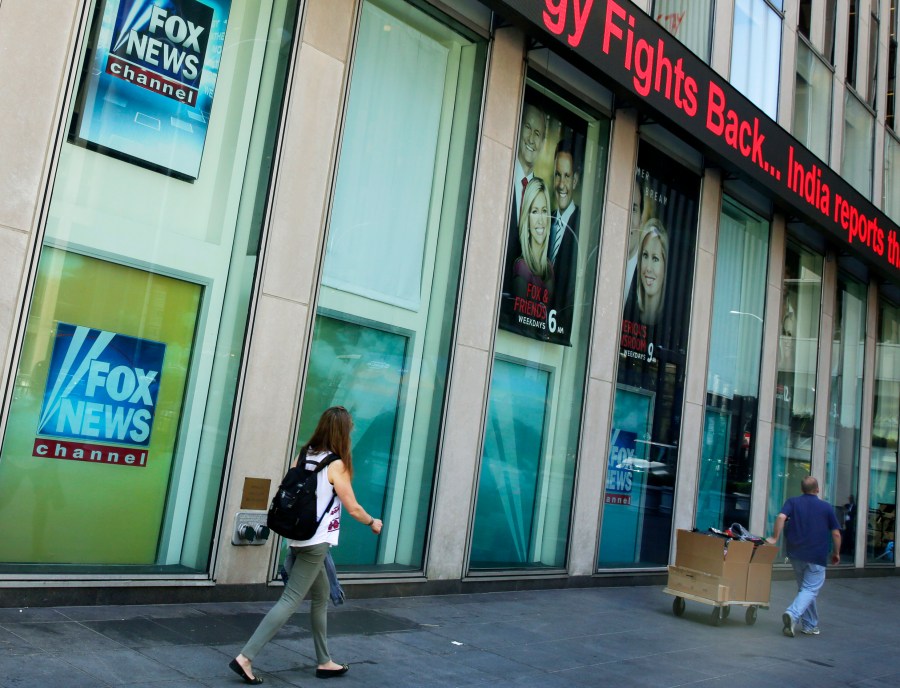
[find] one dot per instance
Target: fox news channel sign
(101, 387)
(149, 90)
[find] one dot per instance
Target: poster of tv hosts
(660, 264)
(538, 293)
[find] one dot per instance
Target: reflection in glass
(882, 504)
(857, 159)
(732, 388)
(845, 407)
(812, 102)
(756, 53)
(795, 391)
(892, 177)
(514, 446)
(391, 268)
(690, 21)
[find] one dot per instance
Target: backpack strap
(331, 458)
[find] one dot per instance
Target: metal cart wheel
(751, 615)
(678, 606)
(726, 610)
(717, 616)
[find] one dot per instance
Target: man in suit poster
(540, 268)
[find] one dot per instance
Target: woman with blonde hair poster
(651, 271)
(532, 271)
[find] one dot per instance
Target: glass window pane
(756, 53)
(390, 279)
(524, 498)
(845, 407)
(857, 159)
(812, 104)
(892, 178)
(732, 389)
(125, 386)
(690, 21)
(852, 39)
(795, 392)
(643, 448)
(882, 506)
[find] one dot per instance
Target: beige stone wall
(36, 44)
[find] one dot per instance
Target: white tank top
(330, 527)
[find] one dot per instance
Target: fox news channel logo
(161, 45)
(101, 386)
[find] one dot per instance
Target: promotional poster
(93, 427)
(659, 268)
(541, 266)
(148, 91)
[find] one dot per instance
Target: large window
(525, 487)
(795, 391)
(643, 452)
(845, 407)
(732, 387)
(390, 279)
(882, 506)
(857, 159)
(690, 21)
(756, 53)
(892, 176)
(117, 432)
(812, 104)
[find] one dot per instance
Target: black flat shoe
(331, 673)
(239, 670)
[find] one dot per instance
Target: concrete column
(285, 309)
(788, 70)
(823, 366)
(865, 439)
(600, 392)
(690, 453)
(723, 28)
(762, 461)
(471, 373)
(37, 46)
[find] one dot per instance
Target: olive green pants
(306, 575)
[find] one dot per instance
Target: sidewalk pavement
(622, 636)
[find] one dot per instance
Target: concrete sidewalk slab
(605, 636)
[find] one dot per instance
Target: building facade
(634, 268)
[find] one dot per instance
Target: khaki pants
(306, 575)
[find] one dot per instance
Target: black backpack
(293, 513)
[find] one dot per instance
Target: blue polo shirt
(808, 528)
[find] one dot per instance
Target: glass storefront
(795, 391)
(845, 408)
(643, 446)
(115, 445)
(882, 506)
(732, 386)
(391, 271)
(525, 488)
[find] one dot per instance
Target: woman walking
(331, 436)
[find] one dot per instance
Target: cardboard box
(697, 583)
(729, 560)
(759, 575)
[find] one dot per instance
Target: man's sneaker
(810, 631)
(790, 626)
